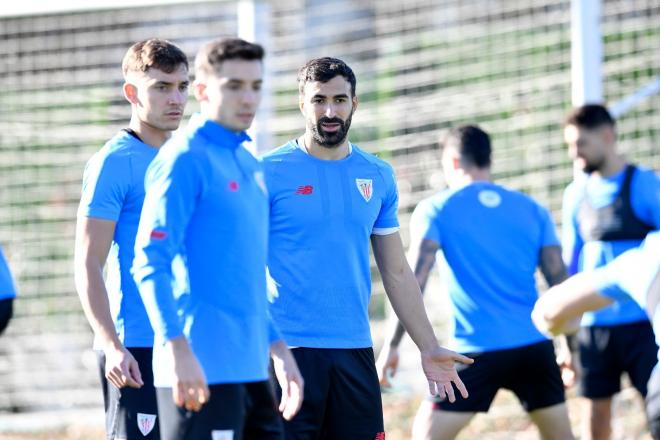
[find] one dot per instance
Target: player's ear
(199, 90)
(301, 103)
(355, 102)
(130, 92)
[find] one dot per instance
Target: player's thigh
(601, 368)
(553, 422)
(640, 352)
(223, 416)
(354, 409)
(262, 421)
(535, 377)
(314, 365)
(432, 423)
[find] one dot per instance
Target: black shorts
(606, 352)
(342, 395)
(131, 413)
(653, 404)
(234, 411)
(6, 312)
(530, 371)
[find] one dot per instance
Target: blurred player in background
(156, 86)
(606, 211)
(7, 293)
(206, 200)
(635, 274)
(490, 240)
(328, 199)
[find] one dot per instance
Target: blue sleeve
(548, 230)
(273, 332)
(619, 279)
(7, 287)
(106, 180)
(645, 189)
(571, 242)
(174, 184)
(423, 224)
(388, 215)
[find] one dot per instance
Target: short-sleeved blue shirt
(490, 241)
(7, 287)
(322, 215)
(113, 189)
(580, 256)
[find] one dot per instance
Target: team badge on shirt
(365, 188)
(146, 423)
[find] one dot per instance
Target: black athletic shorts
(6, 312)
(606, 352)
(342, 396)
(131, 413)
(530, 371)
(653, 404)
(237, 411)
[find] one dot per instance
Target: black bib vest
(616, 221)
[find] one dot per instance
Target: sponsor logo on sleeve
(305, 190)
(365, 188)
(146, 423)
(158, 235)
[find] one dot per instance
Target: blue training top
(322, 214)
(7, 287)
(206, 201)
(113, 189)
(490, 241)
(630, 275)
(580, 256)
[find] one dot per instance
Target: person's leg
(262, 421)
(313, 364)
(537, 383)
(600, 379)
(222, 417)
(434, 424)
(354, 410)
(640, 353)
(6, 312)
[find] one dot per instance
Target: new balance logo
(233, 185)
(305, 190)
(380, 436)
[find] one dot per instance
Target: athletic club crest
(146, 423)
(365, 188)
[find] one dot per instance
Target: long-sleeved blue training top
(7, 287)
(206, 202)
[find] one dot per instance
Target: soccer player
(156, 86)
(606, 211)
(490, 239)
(7, 293)
(328, 199)
(206, 201)
(634, 274)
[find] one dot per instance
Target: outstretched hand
(440, 370)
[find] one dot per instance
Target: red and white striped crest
(365, 188)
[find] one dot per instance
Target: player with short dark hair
(206, 202)
(491, 240)
(156, 86)
(328, 199)
(606, 211)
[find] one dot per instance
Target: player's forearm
(94, 300)
(406, 299)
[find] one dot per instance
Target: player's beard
(593, 165)
(331, 140)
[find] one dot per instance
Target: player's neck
(474, 175)
(148, 134)
(313, 149)
(611, 167)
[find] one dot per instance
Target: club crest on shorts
(365, 188)
(222, 434)
(146, 422)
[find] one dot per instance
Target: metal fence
(422, 67)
